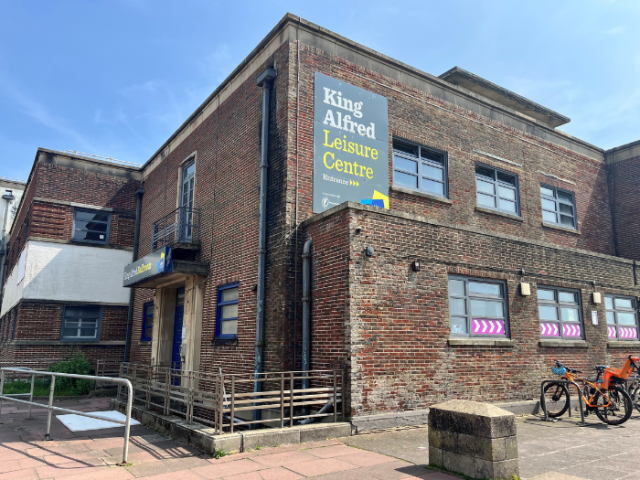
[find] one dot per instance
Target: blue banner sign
(156, 263)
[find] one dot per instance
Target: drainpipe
(263, 81)
(306, 311)
(136, 243)
(8, 198)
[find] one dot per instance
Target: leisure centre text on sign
(351, 134)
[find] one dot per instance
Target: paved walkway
(560, 450)
(95, 455)
(548, 451)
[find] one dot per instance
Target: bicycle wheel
(556, 398)
(634, 393)
(620, 409)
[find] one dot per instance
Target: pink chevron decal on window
(487, 327)
(627, 332)
(571, 330)
(549, 330)
(612, 332)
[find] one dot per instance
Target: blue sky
(117, 77)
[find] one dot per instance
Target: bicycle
(632, 383)
(605, 396)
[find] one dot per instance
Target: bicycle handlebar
(570, 370)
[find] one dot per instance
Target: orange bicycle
(604, 395)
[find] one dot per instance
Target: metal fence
(180, 226)
(25, 372)
(227, 401)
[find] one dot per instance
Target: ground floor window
(147, 322)
(559, 312)
(477, 307)
(81, 323)
(622, 317)
(227, 311)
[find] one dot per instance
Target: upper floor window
(81, 323)
(497, 190)
(558, 207)
(559, 312)
(147, 322)
(477, 308)
(419, 168)
(91, 226)
(622, 317)
(227, 311)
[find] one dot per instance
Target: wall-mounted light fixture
(415, 266)
(369, 251)
(596, 296)
(525, 288)
(358, 230)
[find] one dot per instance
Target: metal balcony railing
(182, 226)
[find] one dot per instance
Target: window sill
(418, 193)
(564, 229)
(480, 342)
(490, 211)
(623, 344)
(224, 341)
(145, 343)
(563, 343)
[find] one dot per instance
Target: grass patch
(219, 454)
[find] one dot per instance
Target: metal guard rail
(180, 226)
(217, 399)
(50, 407)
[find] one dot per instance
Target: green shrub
(76, 364)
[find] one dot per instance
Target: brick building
(71, 239)
(472, 244)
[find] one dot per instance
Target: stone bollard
(476, 439)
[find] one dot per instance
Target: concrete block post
(476, 439)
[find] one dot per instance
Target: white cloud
(28, 105)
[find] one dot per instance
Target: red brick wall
(82, 185)
(624, 182)
(39, 321)
(397, 348)
(227, 192)
(427, 120)
(51, 220)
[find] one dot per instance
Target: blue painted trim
(145, 315)
(220, 304)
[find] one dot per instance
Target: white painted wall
(63, 272)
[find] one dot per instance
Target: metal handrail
(50, 407)
(217, 399)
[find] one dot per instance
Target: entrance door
(186, 201)
(176, 360)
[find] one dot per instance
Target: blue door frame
(177, 337)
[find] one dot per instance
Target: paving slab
(560, 450)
